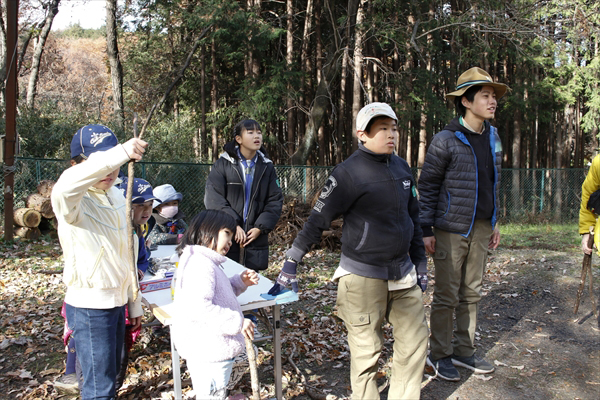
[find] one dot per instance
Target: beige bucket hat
(476, 77)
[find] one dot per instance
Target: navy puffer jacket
(448, 181)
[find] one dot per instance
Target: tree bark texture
(116, 69)
(51, 11)
(289, 60)
(357, 75)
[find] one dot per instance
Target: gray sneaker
(444, 368)
(67, 384)
(474, 363)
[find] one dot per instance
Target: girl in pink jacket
(208, 326)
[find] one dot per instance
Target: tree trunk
(319, 67)
(425, 105)
(52, 10)
(317, 112)
(116, 69)
(358, 64)
(252, 64)
(25, 45)
(289, 59)
(214, 99)
(305, 82)
(342, 111)
(320, 103)
(203, 135)
(3, 56)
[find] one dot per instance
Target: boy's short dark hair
(373, 120)
(204, 228)
(470, 95)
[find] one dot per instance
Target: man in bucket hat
(383, 268)
(458, 191)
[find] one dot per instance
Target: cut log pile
(293, 216)
(37, 217)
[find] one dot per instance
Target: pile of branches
(293, 216)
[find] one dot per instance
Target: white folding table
(161, 305)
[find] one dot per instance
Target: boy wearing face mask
(168, 219)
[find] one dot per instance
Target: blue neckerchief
(248, 178)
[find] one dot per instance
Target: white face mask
(168, 211)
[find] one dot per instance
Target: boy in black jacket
(383, 268)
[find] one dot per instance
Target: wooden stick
(586, 265)
(130, 169)
(129, 217)
(591, 288)
(253, 369)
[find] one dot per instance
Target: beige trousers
(363, 304)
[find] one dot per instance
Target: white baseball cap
(370, 111)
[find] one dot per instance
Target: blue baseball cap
(92, 138)
(142, 190)
(166, 193)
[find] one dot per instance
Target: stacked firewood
(37, 217)
(293, 216)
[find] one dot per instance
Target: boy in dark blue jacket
(459, 188)
(383, 268)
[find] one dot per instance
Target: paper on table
(251, 295)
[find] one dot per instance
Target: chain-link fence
(526, 195)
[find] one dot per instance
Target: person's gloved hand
(287, 277)
(422, 281)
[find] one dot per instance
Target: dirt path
(526, 324)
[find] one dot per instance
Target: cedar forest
(303, 69)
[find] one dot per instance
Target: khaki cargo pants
(363, 304)
(459, 265)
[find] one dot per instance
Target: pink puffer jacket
(208, 319)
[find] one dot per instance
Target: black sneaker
(67, 384)
(444, 368)
(474, 363)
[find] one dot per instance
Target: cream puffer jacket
(93, 234)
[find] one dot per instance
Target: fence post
(38, 171)
(542, 189)
(144, 171)
(304, 186)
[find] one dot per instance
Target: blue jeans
(99, 335)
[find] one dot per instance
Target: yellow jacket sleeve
(590, 185)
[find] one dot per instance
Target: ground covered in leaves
(526, 328)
